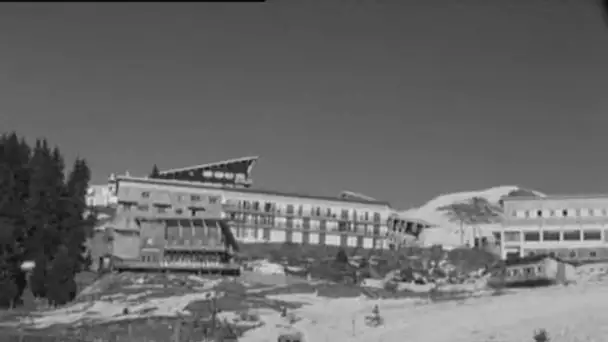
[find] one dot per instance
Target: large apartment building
(257, 215)
(568, 227)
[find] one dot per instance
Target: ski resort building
(571, 228)
(253, 215)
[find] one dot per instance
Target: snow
(446, 232)
(568, 314)
(267, 267)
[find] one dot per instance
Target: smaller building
(535, 270)
(403, 231)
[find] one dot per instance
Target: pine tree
(61, 286)
(13, 158)
(155, 173)
(75, 222)
(341, 256)
(9, 289)
(38, 276)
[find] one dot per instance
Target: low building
(403, 232)
(573, 228)
(536, 270)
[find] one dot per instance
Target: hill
(461, 216)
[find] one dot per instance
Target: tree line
(43, 219)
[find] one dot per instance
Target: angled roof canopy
(228, 171)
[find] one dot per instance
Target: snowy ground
(569, 314)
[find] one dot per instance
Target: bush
(541, 336)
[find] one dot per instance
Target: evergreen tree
(341, 256)
(155, 173)
(9, 289)
(38, 276)
(61, 286)
(76, 222)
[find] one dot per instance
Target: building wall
(570, 227)
(262, 216)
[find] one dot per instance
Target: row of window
(161, 209)
(303, 223)
(529, 271)
(540, 213)
(305, 211)
(548, 235)
(191, 197)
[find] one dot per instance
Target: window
(604, 212)
(145, 194)
(565, 212)
(289, 209)
(179, 211)
(550, 236)
(539, 213)
(532, 236)
(267, 207)
(514, 213)
(318, 211)
(328, 212)
(527, 214)
(572, 254)
(593, 254)
(376, 217)
(512, 236)
(592, 235)
(591, 212)
(256, 205)
(577, 212)
(366, 216)
(162, 210)
(215, 199)
(195, 198)
(572, 235)
(300, 210)
(552, 212)
(143, 207)
(344, 214)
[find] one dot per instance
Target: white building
(568, 227)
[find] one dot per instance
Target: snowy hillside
(477, 212)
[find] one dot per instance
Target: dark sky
(401, 100)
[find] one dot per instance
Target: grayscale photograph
(304, 171)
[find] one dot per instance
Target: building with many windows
(256, 215)
(568, 227)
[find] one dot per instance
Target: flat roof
(248, 190)
(554, 197)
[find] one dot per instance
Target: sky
(400, 100)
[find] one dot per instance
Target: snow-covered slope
(477, 212)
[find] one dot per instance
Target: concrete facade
(569, 227)
(261, 216)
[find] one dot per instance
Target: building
(255, 215)
(535, 270)
(403, 232)
(146, 233)
(572, 228)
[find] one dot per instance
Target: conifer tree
(61, 286)
(76, 223)
(155, 173)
